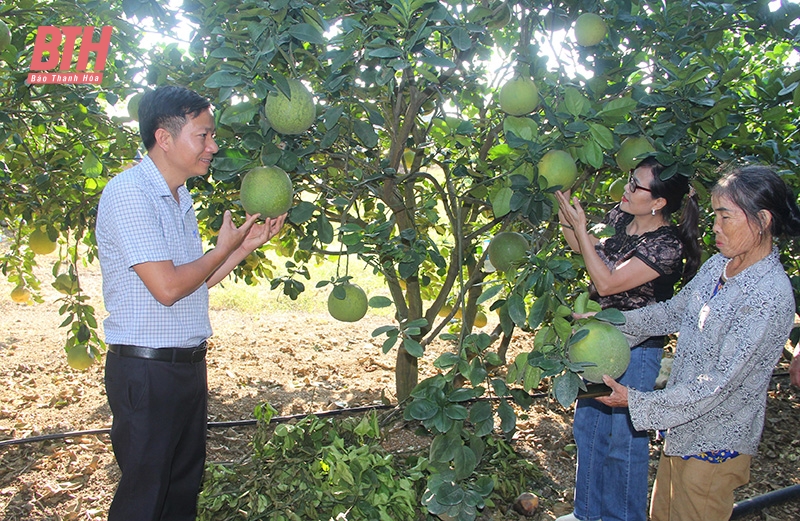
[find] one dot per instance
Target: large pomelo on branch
(292, 115)
(519, 96)
(348, 303)
(605, 346)
(507, 250)
(590, 29)
(558, 168)
(266, 190)
(631, 152)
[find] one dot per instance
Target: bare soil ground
(299, 363)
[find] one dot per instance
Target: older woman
(733, 321)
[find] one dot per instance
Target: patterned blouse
(728, 345)
(660, 249)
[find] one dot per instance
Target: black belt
(164, 354)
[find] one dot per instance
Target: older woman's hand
(794, 368)
(618, 396)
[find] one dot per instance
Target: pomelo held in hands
(266, 190)
(558, 168)
(352, 307)
(605, 346)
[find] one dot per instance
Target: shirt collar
(152, 175)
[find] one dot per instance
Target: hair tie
(692, 191)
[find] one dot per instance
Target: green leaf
(422, 409)
(446, 360)
(443, 448)
(240, 113)
(380, 302)
(366, 134)
(413, 347)
(436, 61)
(92, 167)
(565, 388)
(508, 419)
(386, 52)
(523, 128)
(592, 154)
(461, 395)
(222, 79)
(501, 201)
(489, 293)
(307, 33)
(449, 494)
(456, 412)
(576, 103)
(538, 310)
(611, 315)
(389, 343)
(602, 135)
(617, 108)
(562, 328)
(226, 52)
(480, 411)
(516, 309)
(464, 463)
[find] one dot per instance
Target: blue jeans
(613, 458)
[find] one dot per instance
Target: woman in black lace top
(637, 266)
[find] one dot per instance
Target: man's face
(194, 146)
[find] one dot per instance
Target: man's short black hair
(167, 108)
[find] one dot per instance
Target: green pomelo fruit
(79, 358)
(605, 346)
(558, 168)
(590, 29)
(519, 96)
(20, 294)
(40, 244)
(500, 18)
(352, 307)
(291, 116)
(616, 189)
(480, 319)
(133, 106)
(5, 36)
(507, 250)
(266, 190)
(631, 151)
(408, 158)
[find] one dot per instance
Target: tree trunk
(406, 374)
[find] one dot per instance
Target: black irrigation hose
(223, 425)
(593, 390)
(756, 504)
